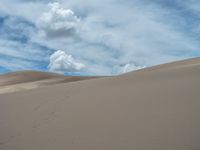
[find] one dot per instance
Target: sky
(96, 37)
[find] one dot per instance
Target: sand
(155, 108)
(26, 80)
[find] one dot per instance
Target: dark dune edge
(155, 108)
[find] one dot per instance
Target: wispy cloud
(17, 52)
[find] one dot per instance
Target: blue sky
(93, 37)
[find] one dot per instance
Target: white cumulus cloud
(62, 62)
(58, 22)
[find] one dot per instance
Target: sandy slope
(26, 76)
(26, 80)
(152, 109)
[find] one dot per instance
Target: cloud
(62, 62)
(109, 36)
(16, 46)
(23, 56)
(128, 68)
(58, 22)
(15, 28)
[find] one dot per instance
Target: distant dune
(26, 80)
(156, 108)
(25, 76)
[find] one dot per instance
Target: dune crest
(26, 80)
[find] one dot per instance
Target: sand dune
(155, 108)
(26, 80)
(26, 76)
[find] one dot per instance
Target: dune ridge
(155, 108)
(25, 76)
(26, 80)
